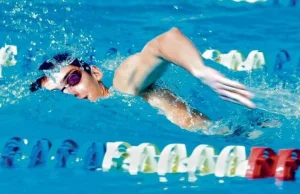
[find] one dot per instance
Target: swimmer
(137, 75)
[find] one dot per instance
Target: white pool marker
(228, 161)
(142, 158)
(235, 60)
(116, 151)
(172, 159)
(7, 57)
(202, 160)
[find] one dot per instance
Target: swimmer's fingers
(242, 92)
(218, 81)
(235, 91)
(230, 83)
(236, 98)
(230, 100)
(230, 89)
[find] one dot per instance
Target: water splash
(278, 101)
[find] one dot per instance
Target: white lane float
(7, 57)
(235, 60)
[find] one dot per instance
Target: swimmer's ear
(96, 73)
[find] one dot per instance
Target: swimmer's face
(75, 81)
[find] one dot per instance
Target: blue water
(106, 33)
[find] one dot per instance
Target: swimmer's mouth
(85, 97)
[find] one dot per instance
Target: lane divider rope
(232, 161)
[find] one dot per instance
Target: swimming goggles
(49, 67)
(72, 79)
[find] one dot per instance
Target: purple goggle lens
(74, 78)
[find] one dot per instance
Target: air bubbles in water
(33, 43)
(51, 22)
(45, 10)
(33, 15)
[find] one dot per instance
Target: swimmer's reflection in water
(137, 74)
(249, 125)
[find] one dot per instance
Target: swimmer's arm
(176, 110)
(141, 70)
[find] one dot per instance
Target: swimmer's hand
(227, 89)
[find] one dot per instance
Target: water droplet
(34, 15)
(25, 141)
(45, 10)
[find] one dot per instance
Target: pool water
(105, 34)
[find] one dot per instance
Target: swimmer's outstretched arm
(139, 71)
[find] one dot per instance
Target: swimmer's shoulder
(124, 76)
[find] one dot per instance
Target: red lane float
(263, 162)
(288, 163)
